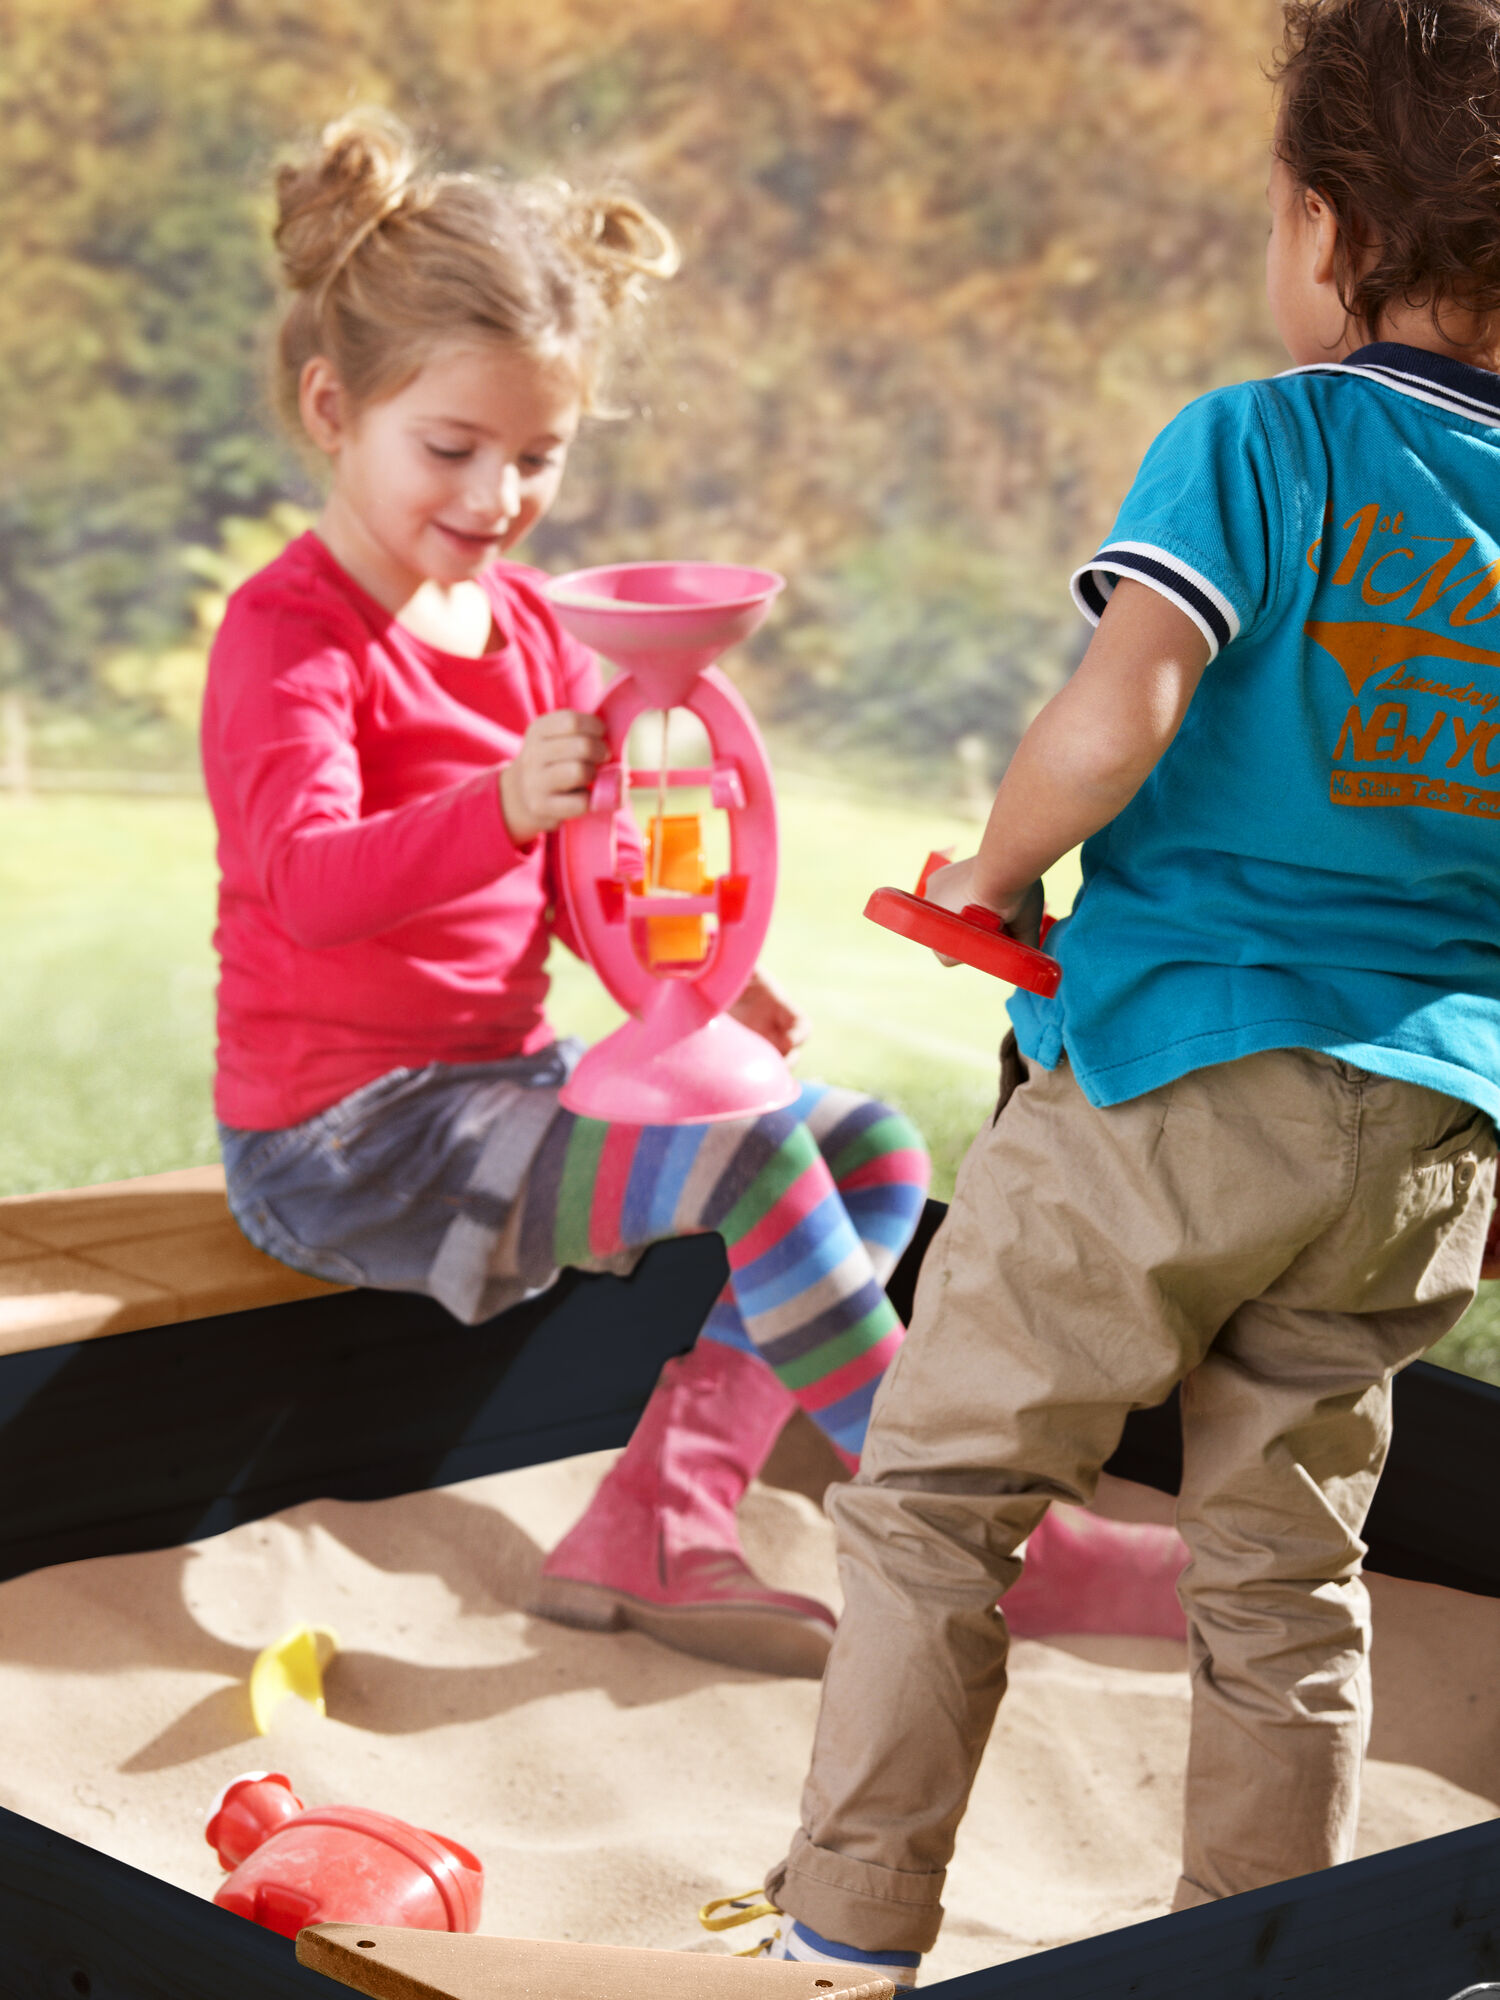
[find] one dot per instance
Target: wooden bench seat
(130, 1254)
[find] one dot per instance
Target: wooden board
(79, 1925)
(432, 1965)
(1418, 1923)
(170, 1433)
(92, 1261)
(175, 1431)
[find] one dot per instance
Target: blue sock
(800, 1941)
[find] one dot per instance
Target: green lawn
(106, 982)
(106, 989)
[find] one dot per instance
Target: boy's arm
(1086, 755)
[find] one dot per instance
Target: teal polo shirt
(1315, 862)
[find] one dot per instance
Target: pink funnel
(663, 622)
(679, 1060)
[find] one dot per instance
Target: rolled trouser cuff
(858, 1903)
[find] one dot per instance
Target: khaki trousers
(1280, 1235)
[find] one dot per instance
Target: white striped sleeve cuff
(1192, 593)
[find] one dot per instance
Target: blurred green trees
(950, 263)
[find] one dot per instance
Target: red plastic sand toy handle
(975, 936)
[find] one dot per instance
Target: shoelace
(725, 1913)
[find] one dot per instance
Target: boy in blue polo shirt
(1248, 1148)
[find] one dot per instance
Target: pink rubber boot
(1086, 1574)
(658, 1549)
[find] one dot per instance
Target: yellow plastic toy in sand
(294, 1665)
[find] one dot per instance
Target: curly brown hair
(1390, 110)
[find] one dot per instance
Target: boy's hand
(951, 887)
(548, 780)
(765, 1008)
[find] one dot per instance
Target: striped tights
(815, 1204)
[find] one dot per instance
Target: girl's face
(435, 481)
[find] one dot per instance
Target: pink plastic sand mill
(674, 945)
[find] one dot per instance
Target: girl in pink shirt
(395, 728)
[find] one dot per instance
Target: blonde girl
(395, 728)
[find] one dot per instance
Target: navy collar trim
(1455, 386)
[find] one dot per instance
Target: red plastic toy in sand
(974, 935)
(335, 1864)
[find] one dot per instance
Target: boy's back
(1312, 861)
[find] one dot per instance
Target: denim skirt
(407, 1184)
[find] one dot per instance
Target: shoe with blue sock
(798, 1940)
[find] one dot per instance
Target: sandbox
(608, 1784)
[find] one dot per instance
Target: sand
(611, 1786)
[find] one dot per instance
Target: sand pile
(611, 1786)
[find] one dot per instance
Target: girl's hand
(951, 887)
(765, 1008)
(548, 780)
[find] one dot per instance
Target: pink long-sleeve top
(374, 912)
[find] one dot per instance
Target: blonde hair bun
(387, 258)
(622, 244)
(364, 169)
